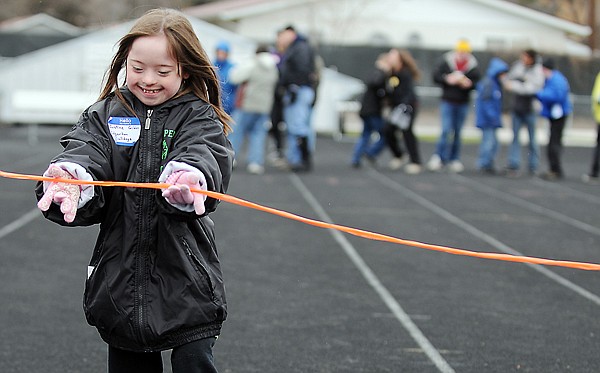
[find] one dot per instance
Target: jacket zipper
(144, 233)
(199, 267)
(148, 115)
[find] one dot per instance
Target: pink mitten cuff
(63, 194)
(77, 172)
(184, 178)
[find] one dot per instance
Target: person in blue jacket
(556, 106)
(488, 113)
(224, 65)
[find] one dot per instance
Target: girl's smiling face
(153, 75)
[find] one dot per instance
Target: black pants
(596, 157)
(194, 357)
(555, 144)
(276, 130)
(410, 140)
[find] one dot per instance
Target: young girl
(154, 280)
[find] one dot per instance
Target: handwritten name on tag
(124, 130)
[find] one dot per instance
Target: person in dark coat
(401, 96)
(297, 79)
(371, 111)
(457, 74)
(154, 280)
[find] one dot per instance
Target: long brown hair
(186, 50)
(409, 63)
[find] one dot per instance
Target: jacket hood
(496, 67)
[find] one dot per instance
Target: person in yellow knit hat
(457, 73)
(592, 177)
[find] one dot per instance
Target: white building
(493, 25)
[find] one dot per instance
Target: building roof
(233, 9)
(40, 24)
(13, 45)
(22, 35)
(229, 10)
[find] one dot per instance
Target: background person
(277, 129)
(524, 79)
(457, 74)
(224, 66)
(592, 176)
(401, 91)
(297, 75)
(488, 113)
(371, 111)
(256, 80)
(556, 106)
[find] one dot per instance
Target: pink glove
(180, 194)
(63, 194)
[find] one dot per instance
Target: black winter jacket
(155, 280)
(372, 99)
(452, 93)
(297, 66)
(402, 91)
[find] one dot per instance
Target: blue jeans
(296, 113)
(453, 118)
(487, 149)
(371, 123)
(252, 126)
(514, 151)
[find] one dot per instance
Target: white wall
(439, 23)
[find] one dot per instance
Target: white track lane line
(19, 223)
(562, 187)
(520, 202)
(393, 305)
(481, 235)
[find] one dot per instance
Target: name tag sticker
(124, 130)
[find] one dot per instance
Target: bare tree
(90, 12)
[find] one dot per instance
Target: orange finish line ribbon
(321, 224)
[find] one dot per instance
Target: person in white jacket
(257, 79)
(524, 80)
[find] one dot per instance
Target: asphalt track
(305, 299)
